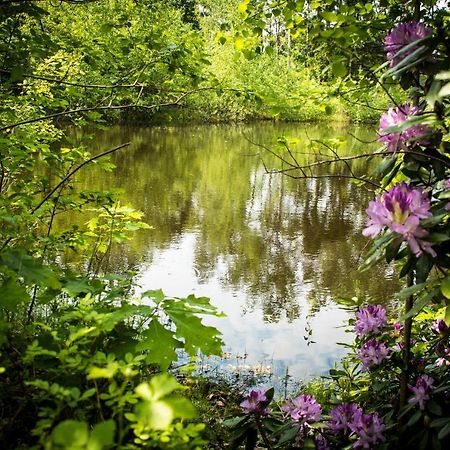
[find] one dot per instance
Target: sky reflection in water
(271, 252)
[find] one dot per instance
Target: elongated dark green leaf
(419, 304)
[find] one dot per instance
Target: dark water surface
(270, 251)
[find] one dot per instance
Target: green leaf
(159, 386)
(102, 435)
(438, 237)
(433, 407)
(235, 421)
(158, 409)
(423, 267)
(71, 434)
(408, 266)
(444, 432)
(156, 296)
(414, 418)
(445, 287)
(447, 314)
(160, 344)
(30, 269)
(339, 69)
(411, 290)
(419, 304)
(330, 16)
(12, 294)
(392, 250)
(103, 372)
(196, 335)
(438, 423)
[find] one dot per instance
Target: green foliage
(88, 360)
(84, 360)
(394, 381)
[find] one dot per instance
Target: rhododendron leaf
(404, 293)
(445, 287)
(419, 304)
(269, 394)
(423, 267)
(438, 237)
(444, 432)
(415, 418)
(392, 250)
(408, 266)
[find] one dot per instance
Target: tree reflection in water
(285, 247)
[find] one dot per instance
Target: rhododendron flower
(304, 408)
(402, 35)
(369, 429)
(254, 402)
(415, 134)
(444, 356)
(397, 329)
(400, 210)
(373, 353)
(447, 188)
(342, 416)
(321, 443)
(439, 327)
(370, 320)
(421, 390)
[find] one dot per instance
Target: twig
(105, 107)
(72, 172)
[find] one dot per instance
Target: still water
(270, 251)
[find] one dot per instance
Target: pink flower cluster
(303, 408)
(447, 188)
(421, 390)
(373, 353)
(400, 210)
(415, 134)
(349, 419)
(370, 320)
(439, 327)
(255, 402)
(402, 35)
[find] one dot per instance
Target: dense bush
(392, 390)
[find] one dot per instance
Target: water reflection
(271, 251)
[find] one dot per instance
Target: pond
(272, 252)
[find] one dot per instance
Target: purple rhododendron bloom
(253, 402)
(369, 429)
(444, 355)
(370, 320)
(304, 408)
(402, 35)
(439, 327)
(321, 443)
(399, 140)
(373, 353)
(342, 416)
(400, 210)
(397, 329)
(447, 188)
(421, 390)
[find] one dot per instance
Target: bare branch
(83, 85)
(75, 170)
(103, 108)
